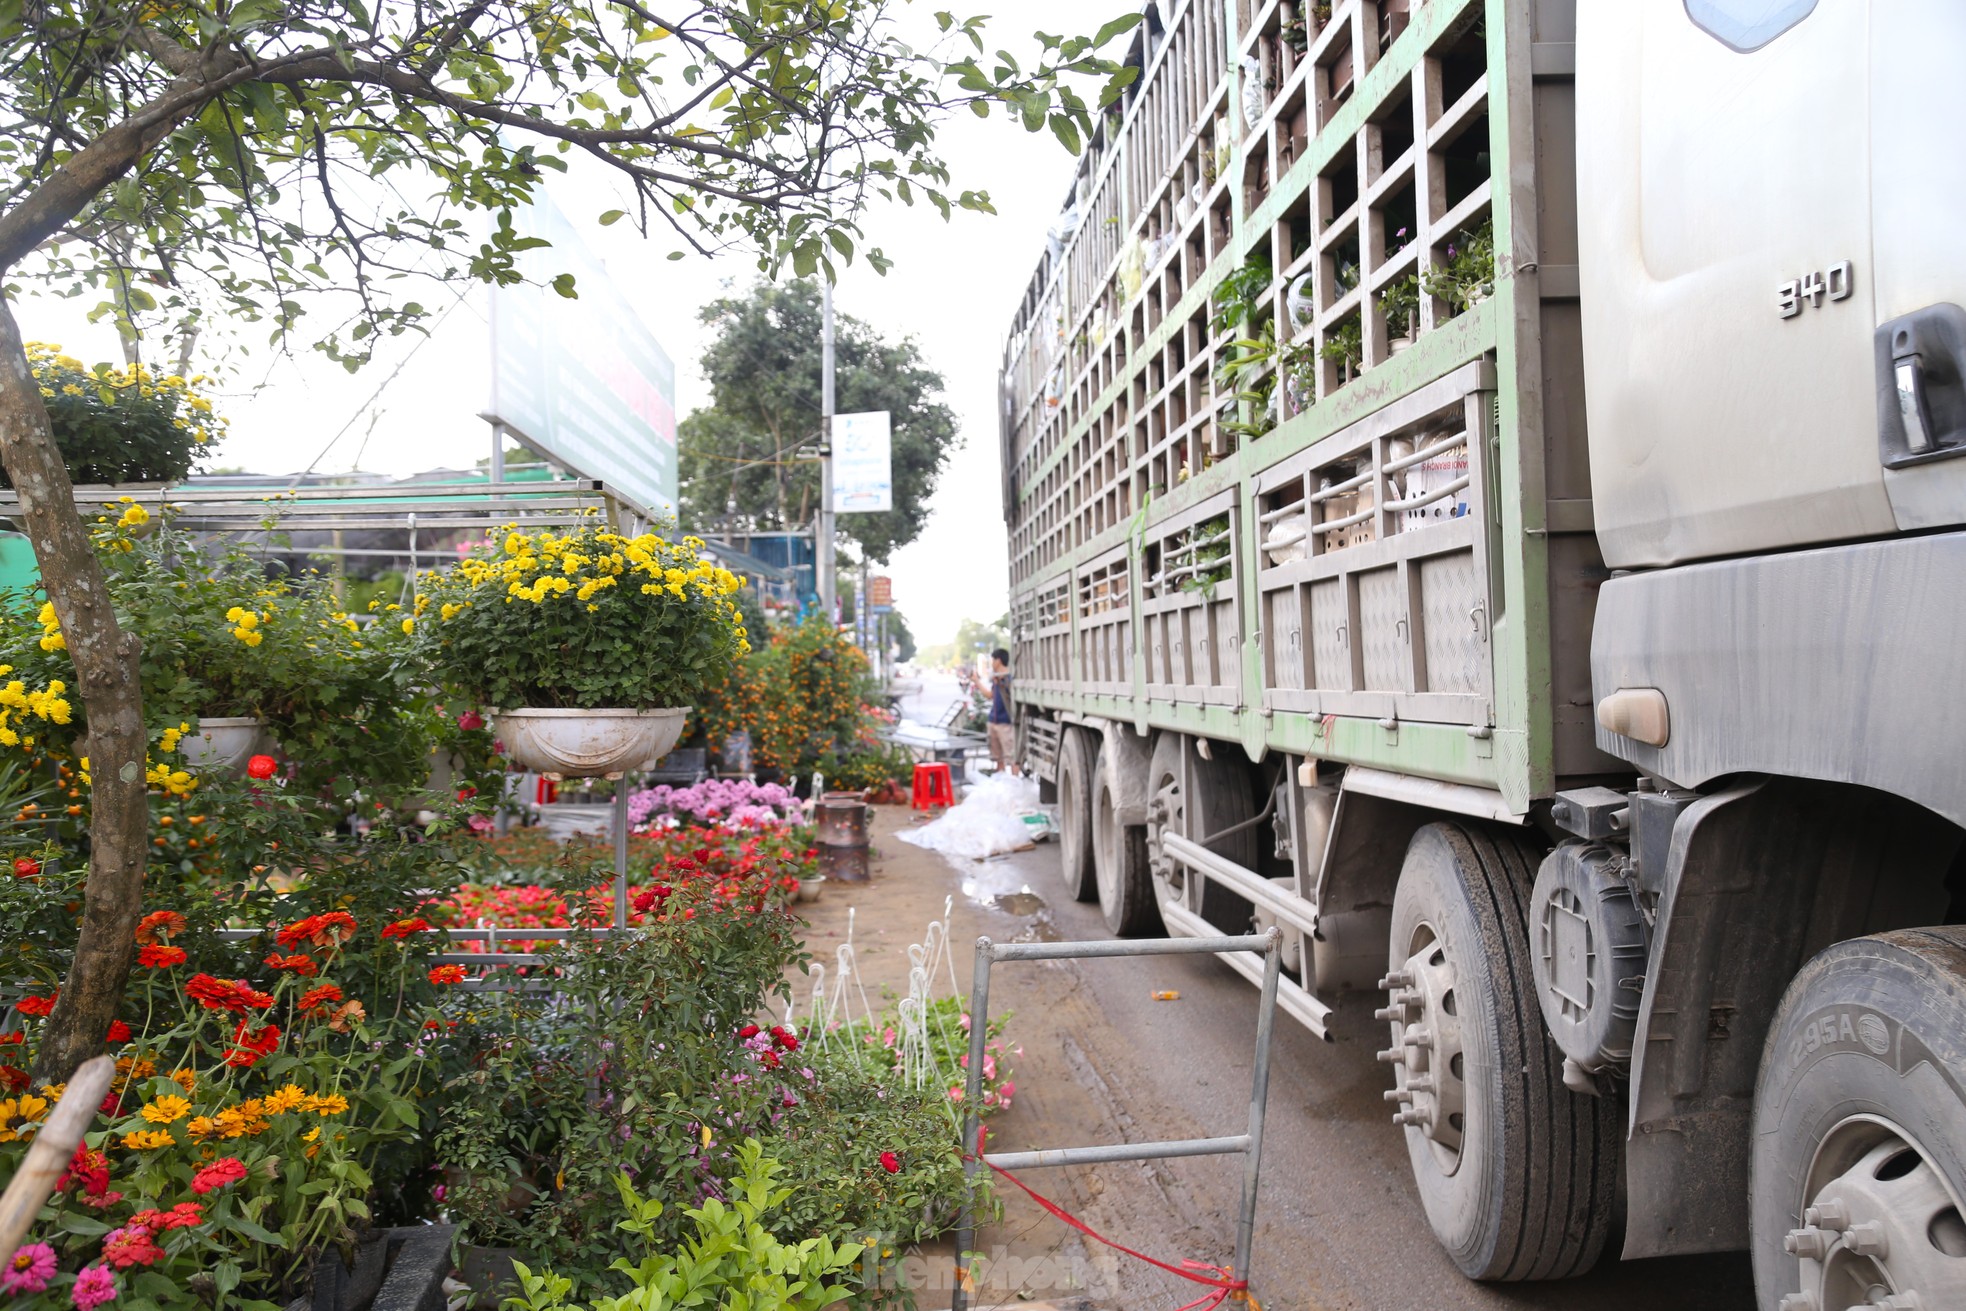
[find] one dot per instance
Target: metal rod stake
(979, 1030)
(1259, 1092)
(621, 852)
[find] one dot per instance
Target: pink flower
(956, 1093)
(480, 823)
(93, 1287)
(28, 1272)
(470, 721)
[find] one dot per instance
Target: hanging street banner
(863, 475)
(583, 381)
(880, 594)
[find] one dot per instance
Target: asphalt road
(1338, 1223)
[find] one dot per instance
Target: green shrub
(731, 1259)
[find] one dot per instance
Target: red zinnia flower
(447, 974)
(316, 998)
(225, 994)
(130, 1245)
(225, 1170)
(747, 1032)
(261, 767)
(159, 925)
(890, 1163)
(37, 1005)
(13, 1080)
(404, 928)
(160, 958)
(253, 1044)
(119, 1033)
(182, 1216)
(89, 1168)
(301, 964)
(465, 794)
(26, 867)
(328, 931)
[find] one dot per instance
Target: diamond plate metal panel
(1456, 649)
(1380, 612)
(1331, 667)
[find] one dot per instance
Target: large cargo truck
(1485, 483)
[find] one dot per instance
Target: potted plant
(236, 656)
(588, 646)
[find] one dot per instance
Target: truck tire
(1518, 1175)
(1859, 1167)
(1119, 859)
(1075, 757)
(1221, 802)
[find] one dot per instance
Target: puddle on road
(1019, 903)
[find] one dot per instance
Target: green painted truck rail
(1053, 454)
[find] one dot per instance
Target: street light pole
(823, 546)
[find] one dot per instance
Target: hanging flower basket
(222, 742)
(588, 743)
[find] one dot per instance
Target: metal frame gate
(1249, 1142)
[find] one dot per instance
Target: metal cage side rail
(1249, 1143)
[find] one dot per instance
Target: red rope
(1226, 1285)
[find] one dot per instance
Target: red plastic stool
(933, 786)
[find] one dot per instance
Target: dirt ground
(1338, 1227)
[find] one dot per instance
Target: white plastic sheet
(987, 822)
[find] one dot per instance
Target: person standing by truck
(1003, 734)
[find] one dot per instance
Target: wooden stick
(54, 1147)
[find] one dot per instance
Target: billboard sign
(880, 595)
(863, 477)
(583, 381)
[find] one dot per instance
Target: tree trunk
(105, 659)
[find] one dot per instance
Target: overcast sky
(953, 288)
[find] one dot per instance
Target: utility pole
(823, 546)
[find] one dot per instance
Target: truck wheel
(1859, 1167)
(1221, 801)
(1075, 816)
(1517, 1173)
(1119, 861)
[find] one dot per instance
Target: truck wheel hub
(1426, 1055)
(1885, 1233)
(1164, 816)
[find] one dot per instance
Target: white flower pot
(588, 743)
(222, 742)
